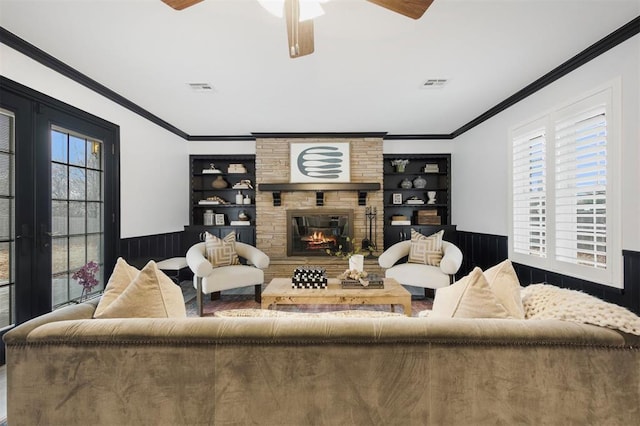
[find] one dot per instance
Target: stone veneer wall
(272, 166)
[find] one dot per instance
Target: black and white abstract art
(320, 162)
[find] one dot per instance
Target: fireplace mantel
(319, 188)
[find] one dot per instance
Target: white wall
(479, 171)
(154, 184)
(154, 162)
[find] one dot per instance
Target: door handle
(45, 237)
(24, 235)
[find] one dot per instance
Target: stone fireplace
(311, 232)
(272, 167)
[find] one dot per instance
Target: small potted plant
(86, 277)
(399, 165)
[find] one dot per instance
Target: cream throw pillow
(221, 252)
(506, 286)
(426, 250)
(470, 297)
(122, 275)
(151, 294)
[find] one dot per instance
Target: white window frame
(609, 96)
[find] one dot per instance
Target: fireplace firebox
(312, 232)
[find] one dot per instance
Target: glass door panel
(7, 220)
(77, 202)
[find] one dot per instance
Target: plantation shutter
(529, 194)
(581, 188)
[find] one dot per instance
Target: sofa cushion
(120, 278)
(470, 297)
(506, 287)
(426, 250)
(221, 251)
(151, 294)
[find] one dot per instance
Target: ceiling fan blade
(299, 34)
(181, 4)
(411, 8)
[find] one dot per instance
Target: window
(7, 220)
(529, 194)
(77, 209)
(565, 211)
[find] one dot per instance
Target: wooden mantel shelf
(291, 187)
(319, 189)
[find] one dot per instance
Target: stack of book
(431, 168)
(428, 217)
(400, 220)
(236, 168)
(240, 223)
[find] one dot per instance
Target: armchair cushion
(221, 251)
(426, 250)
(470, 297)
(151, 294)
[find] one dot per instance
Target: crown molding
(620, 35)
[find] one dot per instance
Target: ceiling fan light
(274, 7)
(310, 9)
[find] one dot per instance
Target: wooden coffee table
(279, 292)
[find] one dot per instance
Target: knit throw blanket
(544, 301)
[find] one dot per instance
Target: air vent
(435, 83)
(201, 87)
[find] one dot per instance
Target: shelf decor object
(399, 165)
(219, 183)
(432, 197)
(420, 182)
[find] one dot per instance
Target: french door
(59, 190)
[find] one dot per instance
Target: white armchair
(208, 279)
(419, 275)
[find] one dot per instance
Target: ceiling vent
(201, 87)
(435, 83)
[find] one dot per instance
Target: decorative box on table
(370, 282)
(309, 277)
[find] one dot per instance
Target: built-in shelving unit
(406, 195)
(204, 196)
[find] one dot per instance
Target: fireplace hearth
(311, 232)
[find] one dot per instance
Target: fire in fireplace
(311, 232)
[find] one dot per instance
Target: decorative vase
(219, 183)
(419, 182)
(432, 197)
(356, 262)
(400, 168)
(406, 184)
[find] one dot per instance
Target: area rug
(243, 299)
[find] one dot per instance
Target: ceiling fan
(300, 28)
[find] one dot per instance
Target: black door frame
(35, 113)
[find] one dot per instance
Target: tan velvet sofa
(65, 368)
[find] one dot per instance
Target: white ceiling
(365, 75)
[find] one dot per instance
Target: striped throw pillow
(221, 252)
(426, 250)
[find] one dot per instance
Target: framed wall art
(320, 162)
(219, 219)
(397, 198)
